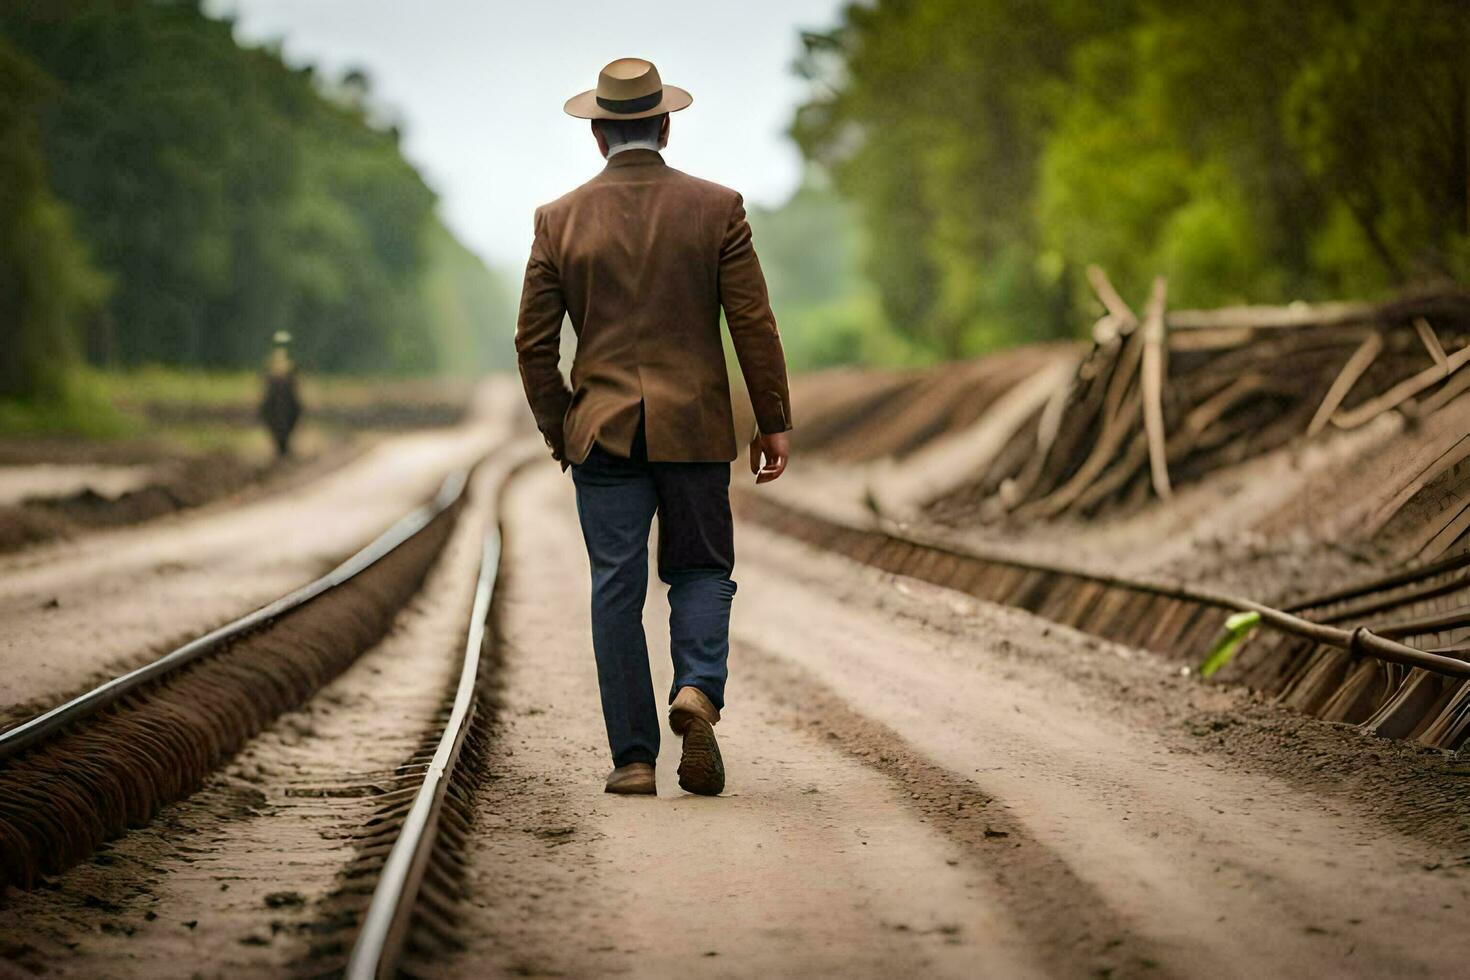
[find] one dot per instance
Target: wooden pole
(1401, 392)
(1430, 340)
(1154, 368)
(1123, 318)
(1361, 360)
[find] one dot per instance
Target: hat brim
(584, 105)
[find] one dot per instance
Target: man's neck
(633, 145)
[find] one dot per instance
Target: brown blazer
(643, 257)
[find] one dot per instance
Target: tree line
(1251, 151)
(169, 196)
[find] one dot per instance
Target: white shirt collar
(633, 145)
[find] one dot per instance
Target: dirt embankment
(1291, 453)
(170, 486)
(54, 488)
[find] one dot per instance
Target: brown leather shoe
(693, 715)
(634, 779)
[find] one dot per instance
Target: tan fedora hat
(628, 88)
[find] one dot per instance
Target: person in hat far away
(280, 406)
(643, 258)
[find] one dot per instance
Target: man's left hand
(776, 449)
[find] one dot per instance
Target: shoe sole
(701, 770)
(648, 791)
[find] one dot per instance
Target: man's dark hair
(617, 131)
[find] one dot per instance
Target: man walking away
(643, 258)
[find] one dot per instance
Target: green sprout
(1234, 633)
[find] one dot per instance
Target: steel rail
(28, 733)
(389, 915)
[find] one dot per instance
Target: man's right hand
(776, 449)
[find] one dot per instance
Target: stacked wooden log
(1165, 399)
(857, 415)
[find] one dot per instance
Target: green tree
(812, 250)
(1379, 114)
(229, 195)
(1254, 150)
(475, 309)
(47, 286)
(931, 114)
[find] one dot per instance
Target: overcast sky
(479, 85)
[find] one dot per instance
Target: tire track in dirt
(1227, 868)
(810, 864)
(1072, 926)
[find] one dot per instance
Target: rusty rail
(426, 844)
(386, 924)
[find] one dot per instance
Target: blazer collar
(636, 158)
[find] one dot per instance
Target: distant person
(281, 407)
(643, 257)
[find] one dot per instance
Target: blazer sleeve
(752, 325)
(538, 341)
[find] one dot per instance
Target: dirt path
(921, 782)
(810, 863)
(79, 611)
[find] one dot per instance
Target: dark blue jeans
(617, 499)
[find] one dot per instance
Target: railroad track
(1339, 663)
(108, 759)
(430, 837)
(54, 723)
(400, 894)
